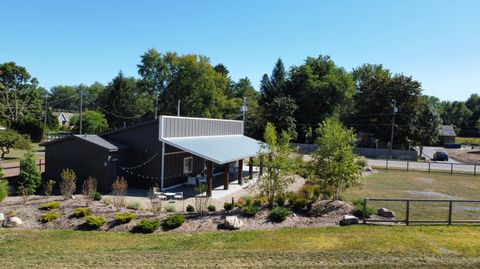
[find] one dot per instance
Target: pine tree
(30, 176)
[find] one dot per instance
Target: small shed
(447, 134)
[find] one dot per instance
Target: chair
(178, 196)
(162, 196)
(191, 181)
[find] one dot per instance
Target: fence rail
(418, 211)
(13, 169)
(443, 167)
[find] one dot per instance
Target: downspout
(162, 173)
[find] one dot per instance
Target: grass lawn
(420, 185)
(352, 247)
(467, 140)
(16, 155)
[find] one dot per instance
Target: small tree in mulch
(89, 190)
(30, 176)
(68, 183)
(119, 192)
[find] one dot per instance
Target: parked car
(440, 156)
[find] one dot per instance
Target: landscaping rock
(2, 217)
(348, 220)
(232, 223)
(383, 212)
(327, 207)
(368, 169)
(13, 222)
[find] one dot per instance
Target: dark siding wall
(144, 144)
(83, 157)
(174, 167)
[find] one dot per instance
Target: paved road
(424, 166)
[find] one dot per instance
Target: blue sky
(73, 42)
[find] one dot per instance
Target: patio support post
(226, 173)
(209, 178)
(250, 168)
(240, 171)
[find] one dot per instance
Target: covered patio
(221, 150)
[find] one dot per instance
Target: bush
(279, 214)
(212, 208)
(29, 127)
(68, 183)
(97, 196)
(48, 187)
(89, 188)
(281, 199)
(190, 208)
(251, 210)
(49, 205)
(227, 206)
(173, 221)
(119, 191)
(30, 176)
(361, 161)
(259, 200)
(134, 206)
(82, 212)
(300, 203)
(95, 222)
(146, 226)
(49, 217)
(107, 201)
(125, 217)
(310, 191)
(3, 190)
(170, 208)
(12, 213)
(244, 201)
(358, 205)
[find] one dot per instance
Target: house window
(187, 165)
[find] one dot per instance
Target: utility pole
(394, 111)
(81, 108)
(156, 104)
(46, 115)
(244, 110)
(178, 108)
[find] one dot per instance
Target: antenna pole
(81, 109)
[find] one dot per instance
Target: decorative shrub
(97, 196)
(125, 217)
(107, 201)
(300, 203)
(146, 226)
(119, 192)
(170, 208)
(212, 208)
(244, 201)
(227, 206)
(49, 217)
(173, 221)
(359, 208)
(281, 199)
(12, 213)
(310, 191)
(134, 206)
(259, 200)
(68, 183)
(49, 205)
(190, 208)
(82, 212)
(361, 161)
(3, 190)
(48, 187)
(95, 222)
(251, 210)
(30, 176)
(279, 214)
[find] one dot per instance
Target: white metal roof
(218, 149)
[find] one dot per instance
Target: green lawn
(467, 140)
(421, 185)
(16, 155)
(353, 247)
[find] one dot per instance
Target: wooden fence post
(407, 213)
(364, 211)
(386, 165)
(429, 166)
(407, 165)
(475, 169)
(450, 206)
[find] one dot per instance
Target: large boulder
(348, 220)
(327, 207)
(383, 212)
(232, 223)
(13, 222)
(2, 217)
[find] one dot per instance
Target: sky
(73, 42)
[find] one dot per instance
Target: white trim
(201, 136)
(175, 186)
(193, 118)
(162, 175)
(173, 153)
(160, 127)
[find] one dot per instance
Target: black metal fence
(420, 211)
(443, 167)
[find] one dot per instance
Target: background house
(447, 134)
(64, 118)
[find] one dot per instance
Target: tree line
(294, 100)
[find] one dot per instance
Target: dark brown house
(159, 152)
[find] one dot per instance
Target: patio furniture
(191, 181)
(157, 193)
(170, 195)
(178, 196)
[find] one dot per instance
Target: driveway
(429, 151)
